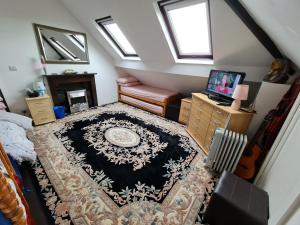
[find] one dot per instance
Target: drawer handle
(218, 111)
(216, 122)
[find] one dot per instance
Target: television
(222, 83)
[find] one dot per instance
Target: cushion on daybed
(130, 84)
(124, 80)
(2, 106)
(156, 94)
(145, 105)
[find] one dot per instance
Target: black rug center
(147, 170)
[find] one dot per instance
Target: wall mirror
(60, 46)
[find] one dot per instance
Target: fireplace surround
(59, 85)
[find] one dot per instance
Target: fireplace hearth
(60, 85)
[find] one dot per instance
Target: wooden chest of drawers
(41, 109)
(185, 110)
(206, 116)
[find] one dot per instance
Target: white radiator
(225, 150)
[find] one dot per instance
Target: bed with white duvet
(13, 128)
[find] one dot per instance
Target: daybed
(152, 99)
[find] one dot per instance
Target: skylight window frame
(107, 20)
(165, 5)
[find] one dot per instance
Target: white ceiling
(233, 44)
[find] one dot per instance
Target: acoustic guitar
(246, 167)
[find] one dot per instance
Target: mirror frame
(42, 49)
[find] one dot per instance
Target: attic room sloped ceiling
(279, 19)
(234, 46)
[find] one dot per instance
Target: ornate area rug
(120, 165)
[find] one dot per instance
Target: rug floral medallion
(119, 165)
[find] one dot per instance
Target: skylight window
(188, 26)
(116, 36)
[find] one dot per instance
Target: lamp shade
(241, 92)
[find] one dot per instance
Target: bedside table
(41, 109)
(185, 110)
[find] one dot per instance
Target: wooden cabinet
(205, 116)
(185, 110)
(41, 109)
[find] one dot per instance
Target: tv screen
(224, 82)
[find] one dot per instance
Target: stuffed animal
(279, 72)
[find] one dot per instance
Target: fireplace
(77, 101)
(60, 85)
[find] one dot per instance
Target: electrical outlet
(12, 68)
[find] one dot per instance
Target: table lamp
(240, 93)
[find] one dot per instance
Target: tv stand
(218, 99)
(213, 97)
(224, 103)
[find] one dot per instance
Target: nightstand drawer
(184, 111)
(42, 119)
(41, 109)
(39, 103)
(185, 105)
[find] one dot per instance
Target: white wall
(19, 48)
(175, 82)
(234, 46)
(280, 178)
(267, 99)
(280, 19)
(294, 217)
(253, 73)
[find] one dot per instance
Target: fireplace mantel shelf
(69, 75)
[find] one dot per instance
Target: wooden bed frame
(164, 104)
(4, 101)
(9, 204)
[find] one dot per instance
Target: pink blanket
(152, 93)
(130, 84)
(124, 80)
(2, 106)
